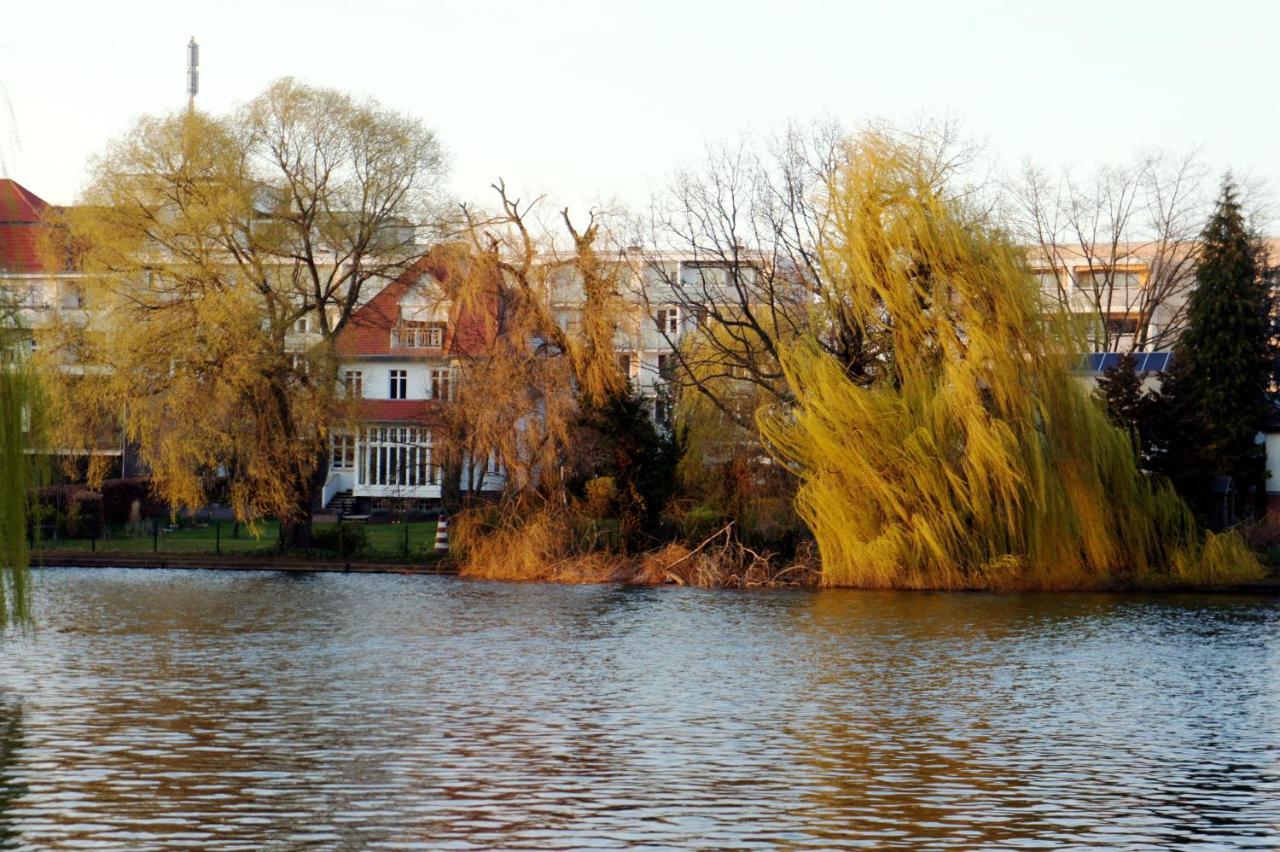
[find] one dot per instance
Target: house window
(668, 320)
(1047, 280)
(398, 456)
(624, 364)
(419, 335)
(399, 384)
(666, 366)
(1121, 324)
(302, 325)
(353, 383)
(440, 383)
(344, 451)
(662, 412)
(1115, 280)
(73, 297)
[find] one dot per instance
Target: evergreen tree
(640, 458)
(1214, 399)
(1120, 392)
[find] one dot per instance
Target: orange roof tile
(21, 216)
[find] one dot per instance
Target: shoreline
(227, 562)
(201, 562)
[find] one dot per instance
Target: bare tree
(520, 395)
(737, 249)
(1118, 246)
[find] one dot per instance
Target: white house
(397, 359)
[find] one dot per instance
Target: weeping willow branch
(19, 421)
(975, 460)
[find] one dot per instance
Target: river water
(170, 709)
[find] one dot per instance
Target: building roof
(414, 411)
(21, 222)
(368, 333)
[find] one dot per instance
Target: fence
(394, 541)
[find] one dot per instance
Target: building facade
(398, 360)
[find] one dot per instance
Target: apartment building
(400, 354)
(30, 285)
(35, 288)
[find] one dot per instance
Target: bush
(84, 516)
(119, 495)
(700, 522)
(345, 539)
(602, 496)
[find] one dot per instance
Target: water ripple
(168, 709)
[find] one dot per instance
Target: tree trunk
(451, 482)
(296, 532)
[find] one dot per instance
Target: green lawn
(384, 539)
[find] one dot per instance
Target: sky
(598, 102)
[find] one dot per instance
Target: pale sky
(601, 100)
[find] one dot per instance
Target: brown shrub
(546, 546)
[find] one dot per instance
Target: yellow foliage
(21, 419)
(203, 241)
(975, 461)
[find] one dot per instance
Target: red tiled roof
(19, 204)
(21, 214)
(368, 333)
(398, 410)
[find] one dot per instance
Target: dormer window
(414, 334)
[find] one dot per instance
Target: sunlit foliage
(221, 256)
(974, 460)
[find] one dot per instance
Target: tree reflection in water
(162, 708)
(11, 787)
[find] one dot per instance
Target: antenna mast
(193, 73)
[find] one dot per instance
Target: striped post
(442, 534)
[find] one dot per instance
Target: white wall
(1273, 463)
(377, 376)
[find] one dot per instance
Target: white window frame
(441, 374)
(399, 384)
(668, 320)
(418, 335)
(353, 383)
(342, 451)
(396, 456)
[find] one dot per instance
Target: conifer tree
(1120, 392)
(1213, 401)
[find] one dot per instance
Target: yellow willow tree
(222, 255)
(546, 399)
(974, 460)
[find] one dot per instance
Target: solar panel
(1144, 362)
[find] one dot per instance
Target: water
(163, 709)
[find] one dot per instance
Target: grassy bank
(386, 541)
